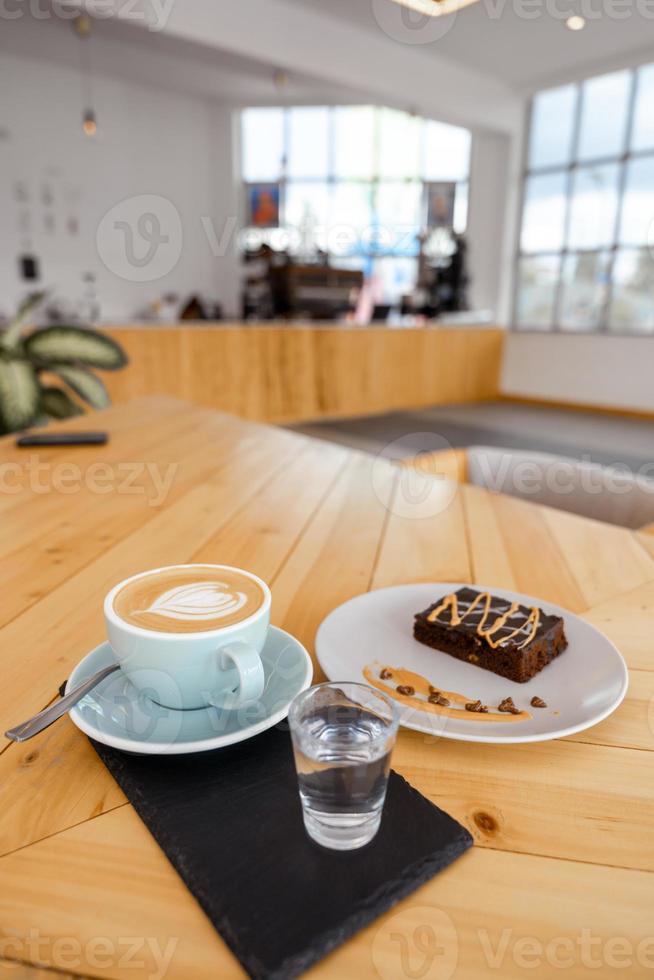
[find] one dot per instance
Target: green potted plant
(42, 368)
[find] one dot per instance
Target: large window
(353, 182)
(585, 260)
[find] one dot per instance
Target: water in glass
(343, 735)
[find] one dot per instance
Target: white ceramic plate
(581, 687)
(116, 714)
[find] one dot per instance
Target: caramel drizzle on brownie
(531, 623)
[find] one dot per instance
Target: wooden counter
(561, 879)
(298, 372)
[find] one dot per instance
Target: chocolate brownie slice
(512, 640)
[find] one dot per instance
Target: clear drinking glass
(343, 735)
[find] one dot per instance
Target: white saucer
(581, 687)
(116, 714)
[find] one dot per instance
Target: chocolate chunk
(477, 706)
(386, 673)
(437, 698)
(508, 707)
(537, 703)
(433, 690)
(405, 689)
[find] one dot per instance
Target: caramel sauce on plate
(407, 678)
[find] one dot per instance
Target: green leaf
(11, 334)
(58, 403)
(19, 394)
(75, 345)
(83, 383)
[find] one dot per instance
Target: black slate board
(230, 823)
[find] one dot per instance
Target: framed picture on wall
(263, 205)
(440, 203)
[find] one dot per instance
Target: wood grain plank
(52, 782)
(600, 800)
(262, 533)
(645, 538)
(627, 620)
(585, 560)
(489, 562)
(127, 422)
(67, 532)
(449, 463)
(425, 538)
(118, 883)
(335, 558)
(14, 970)
(632, 725)
(605, 560)
(537, 564)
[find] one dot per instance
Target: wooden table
(562, 871)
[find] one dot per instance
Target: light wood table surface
(560, 881)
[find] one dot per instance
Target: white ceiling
(489, 39)
(118, 49)
(492, 37)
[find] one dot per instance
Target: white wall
(587, 369)
(150, 142)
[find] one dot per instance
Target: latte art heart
(199, 601)
(189, 599)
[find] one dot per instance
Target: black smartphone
(63, 439)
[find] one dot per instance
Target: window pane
(350, 218)
(307, 212)
(447, 152)
(584, 290)
(308, 138)
(544, 213)
(399, 144)
(593, 206)
(395, 278)
(604, 106)
(643, 134)
(398, 217)
(552, 126)
(632, 308)
(262, 132)
(537, 281)
(354, 141)
(638, 204)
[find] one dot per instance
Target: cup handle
(250, 675)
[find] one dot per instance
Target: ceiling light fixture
(89, 124)
(576, 22)
(82, 27)
(435, 8)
